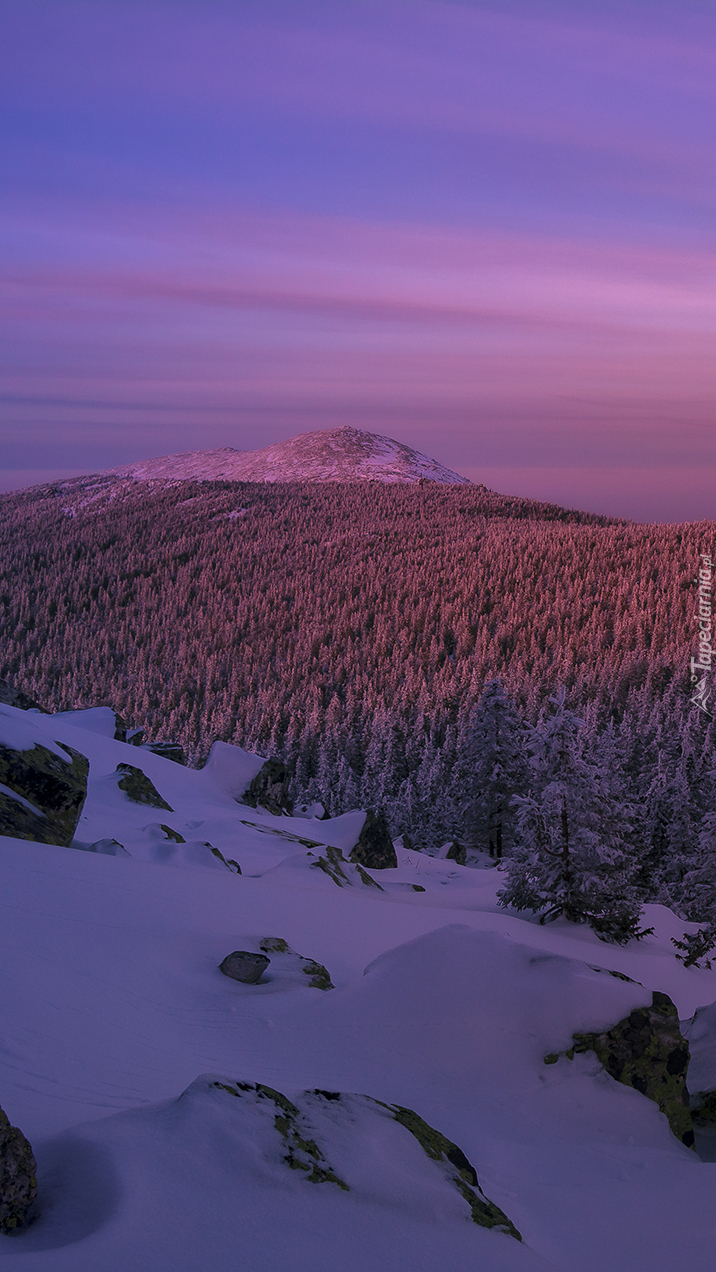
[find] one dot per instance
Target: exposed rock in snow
(336, 454)
(456, 852)
(168, 750)
(700, 1033)
(317, 976)
(269, 789)
(333, 863)
(42, 787)
(11, 696)
(18, 1177)
(374, 848)
(648, 1052)
(138, 787)
(244, 966)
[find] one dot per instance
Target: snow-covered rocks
(648, 1052)
(333, 454)
(43, 784)
(304, 971)
(249, 779)
(18, 1177)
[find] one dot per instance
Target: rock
(648, 1052)
(44, 793)
(18, 1177)
(109, 848)
(167, 750)
(269, 789)
(342, 872)
(172, 834)
(13, 697)
(231, 865)
(244, 966)
(700, 1033)
(317, 975)
(375, 847)
(138, 787)
(457, 852)
(318, 1132)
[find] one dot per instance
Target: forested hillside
(351, 628)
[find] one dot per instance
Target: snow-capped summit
(335, 454)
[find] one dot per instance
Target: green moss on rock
(50, 791)
(647, 1052)
(137, 786)
(463, 1174)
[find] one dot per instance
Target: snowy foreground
(114, 1012)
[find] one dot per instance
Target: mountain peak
(337, 454)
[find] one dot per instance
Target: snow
(340, 454)
(113, 1006)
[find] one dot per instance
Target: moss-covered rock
(18, 1177)
(461, 1172)
(375, 848)
(48, 793)
(137, 786)
(648, 1052)
(269, 789)
(317, 975)
(342, 872)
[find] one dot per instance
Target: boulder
(317, 975)
(137, 786)
(42, 792)
(18, 1177)
(244, 966)
(374, 849)
(457, 852)
(648, 1052)
(269, 789)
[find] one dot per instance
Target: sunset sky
(485, 229)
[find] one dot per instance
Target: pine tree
(494, 768)
(572, 858)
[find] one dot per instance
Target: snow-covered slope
(337, 454)
(113, 1007)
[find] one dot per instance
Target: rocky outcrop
(311, 1121)
(342, 872)
(13, 697)
(648, 1052)
(167, 750)
(42, 792)
(18, 1177)
(316, 974)
(269, 789)
(244, 966)
(137, 786)
(375, 849)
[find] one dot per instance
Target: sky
(484, 229)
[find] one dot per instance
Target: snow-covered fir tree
(494, 768)
(572, 855)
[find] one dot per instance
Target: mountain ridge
(335, 455)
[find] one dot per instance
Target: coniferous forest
(462, 660)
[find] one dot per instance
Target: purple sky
(484, 229)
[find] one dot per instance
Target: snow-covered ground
(336, 454)
(113, 1007)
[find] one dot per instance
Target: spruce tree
(572, 855)
(494, 769)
